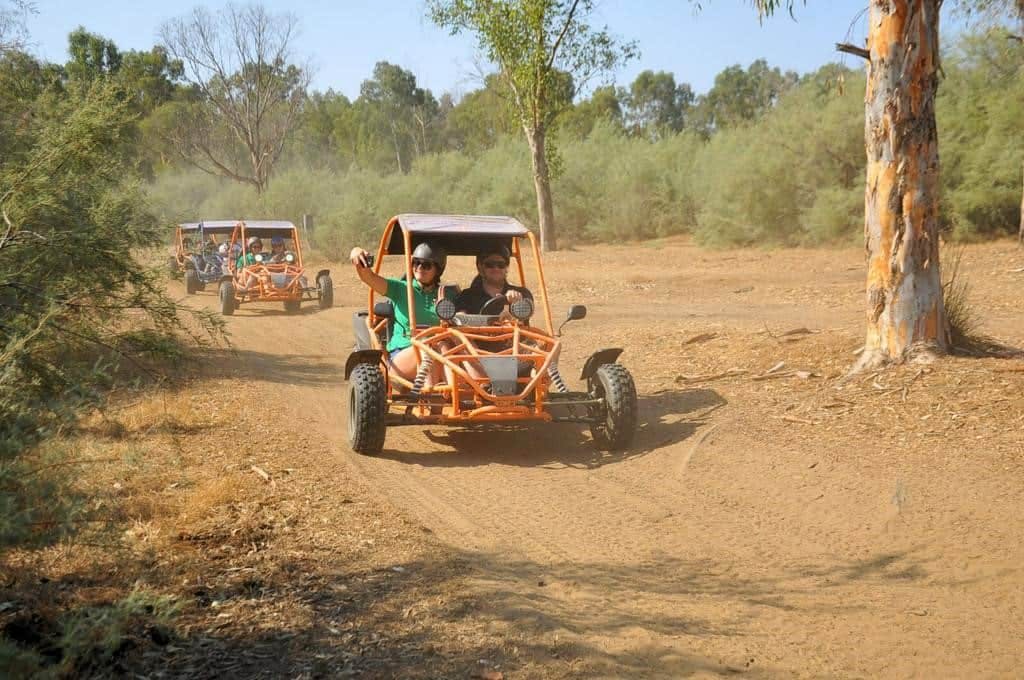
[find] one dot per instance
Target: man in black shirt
(492, 279)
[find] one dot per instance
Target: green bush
(74, 218)
(793, 176)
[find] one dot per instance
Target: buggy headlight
(258, 257)
(289, 257)
(522, 308)
(445, 309)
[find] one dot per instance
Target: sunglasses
(422, 264)
(496, 264)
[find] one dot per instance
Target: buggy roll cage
(464, 235)
(241, 230)
(451, 232)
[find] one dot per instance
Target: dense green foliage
(74, 215)
(765, 157)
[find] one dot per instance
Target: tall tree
(739, 96)
(535, 44)
(604, 104)
(905, 310)
(239, 60)
(92, 56)
(657, 106)
(403, 109)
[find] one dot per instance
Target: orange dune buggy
(521, 380)
(269, 277)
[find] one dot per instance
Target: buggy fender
(362, 356)
(322, 272)
(226, 277)
(598, 359)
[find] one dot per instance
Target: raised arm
(367, 275)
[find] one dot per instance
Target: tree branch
(561, 36)
(854, 50)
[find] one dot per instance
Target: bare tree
(13, 32)
(250, 94)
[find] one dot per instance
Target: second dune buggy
(266, 276)
(522, 381)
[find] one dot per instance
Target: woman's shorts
(392, 354)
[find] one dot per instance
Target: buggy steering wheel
(499, 298)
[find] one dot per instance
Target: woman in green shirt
(428, 263)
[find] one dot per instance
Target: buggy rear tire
(192, 282)
(227, 298)
(325, 292)
(367, 405)
(292, 306)
(617, 421)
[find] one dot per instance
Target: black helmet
(432, 253)
(496, 248)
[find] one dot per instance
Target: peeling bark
(1020, 229)
(905, 309)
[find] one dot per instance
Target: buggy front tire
(227, 298)
(192, 283)
(293, 306)
(325, 292)
(617, 421)
(367, 405)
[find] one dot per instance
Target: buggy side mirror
(576, 312)
(384, 309)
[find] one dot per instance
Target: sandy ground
(790, 525)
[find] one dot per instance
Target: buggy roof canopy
(227, 226)
(457, 234)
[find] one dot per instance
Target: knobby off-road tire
(172, 267)
(367, 404)
(293, 306)
(227, 298)
(325, 291)
(616, 428)
(192, 283)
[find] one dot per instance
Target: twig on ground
(700, 337)
(732, 372)
(261, 472)
(794, 419)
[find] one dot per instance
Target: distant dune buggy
(266, 276)
(522, 382)
(197, 253)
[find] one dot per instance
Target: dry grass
(965, 322)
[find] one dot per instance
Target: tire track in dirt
(699, 543)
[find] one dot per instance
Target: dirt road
(792, 527)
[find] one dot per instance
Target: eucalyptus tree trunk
(1020, 229)
(542, 187)
(905, 311)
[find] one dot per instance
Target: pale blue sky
(344, 39)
